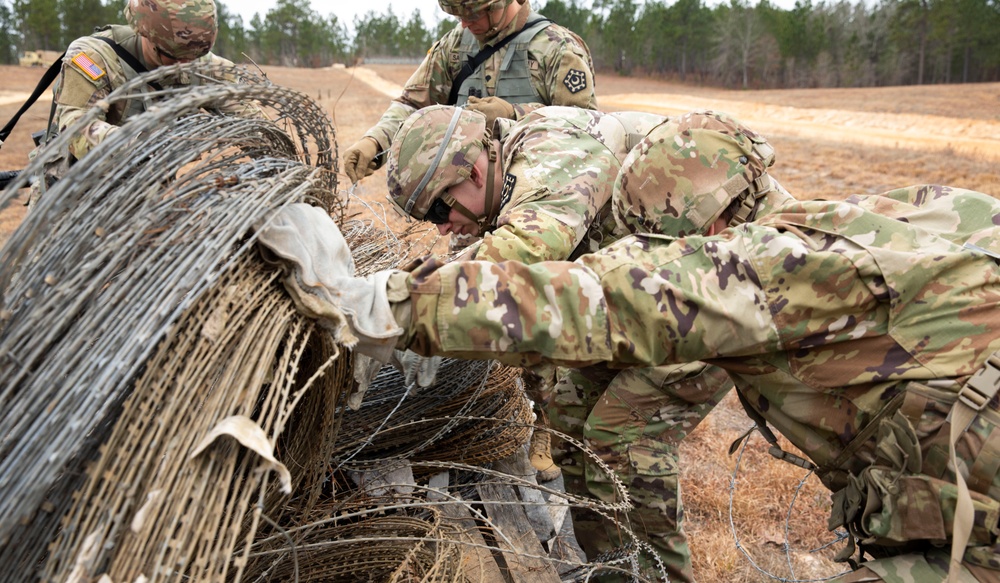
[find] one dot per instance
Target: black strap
(8, 176)
(43, 84)
(762, 428)
(53, 72)
(475, 61)
(130, 59)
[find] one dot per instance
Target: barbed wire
(112, 257)
(786, 545)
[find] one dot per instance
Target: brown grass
(810, 166)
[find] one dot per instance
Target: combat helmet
(681, 177)
(180, 29)
(434, 149)
(471, 8)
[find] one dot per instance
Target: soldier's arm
(566, 72)
(641, 302)
(530, 236)
(430, 84)
(76, 92)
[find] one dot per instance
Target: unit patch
(509, 180)
(575, 80)
(88, 66)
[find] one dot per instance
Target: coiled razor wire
(241, 350)
(430, 423)
(112, 256)
(786, 546)
(358, 542)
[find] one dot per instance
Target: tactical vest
(514, 77)
(125, 37)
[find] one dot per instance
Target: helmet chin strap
(488, 222)
(494, 27)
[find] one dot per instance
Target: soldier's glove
(320, 279)
(360, 159)
(366, 369)
(492, 108)
(421, 370)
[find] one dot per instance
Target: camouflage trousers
(916, 568)
(633, 420)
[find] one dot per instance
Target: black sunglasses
(438, 213)
(164, 53)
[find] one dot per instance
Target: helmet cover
(421, 166)
(181, 29)
(680, 178)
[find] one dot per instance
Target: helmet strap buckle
(487, 222)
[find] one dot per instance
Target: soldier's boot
(540, 454)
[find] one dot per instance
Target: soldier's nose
(444, 229)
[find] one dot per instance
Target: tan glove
(492, 108)
(321, 280)
(359, 159)
(421, 370)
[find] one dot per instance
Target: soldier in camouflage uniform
(540, 190)
(541, 63)
(864, 330)
(159, 33)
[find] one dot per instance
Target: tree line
(734, 44)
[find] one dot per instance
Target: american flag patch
(87, 66)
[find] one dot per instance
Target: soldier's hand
(320, 279)
(421, 370)
(359, 159)
(492, 108)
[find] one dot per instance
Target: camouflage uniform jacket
(562, 73)
(822, 312)
(559, 166)
(77, 89)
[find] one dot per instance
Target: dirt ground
(829, 143)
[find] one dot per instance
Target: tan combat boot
(540, 454)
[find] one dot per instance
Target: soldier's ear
(476, 176)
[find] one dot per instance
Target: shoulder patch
(575, 80)
(509, 180)
(89, 67)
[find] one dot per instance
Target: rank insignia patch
(89, 67)
(509, 180)
(575, 80)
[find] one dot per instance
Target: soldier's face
(477, 23)
(471, 194)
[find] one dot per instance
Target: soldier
(159, 33)
(864, 330)
(539, 189)
(501, 55)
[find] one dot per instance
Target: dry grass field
(829, 143)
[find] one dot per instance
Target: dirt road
(973, 137)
